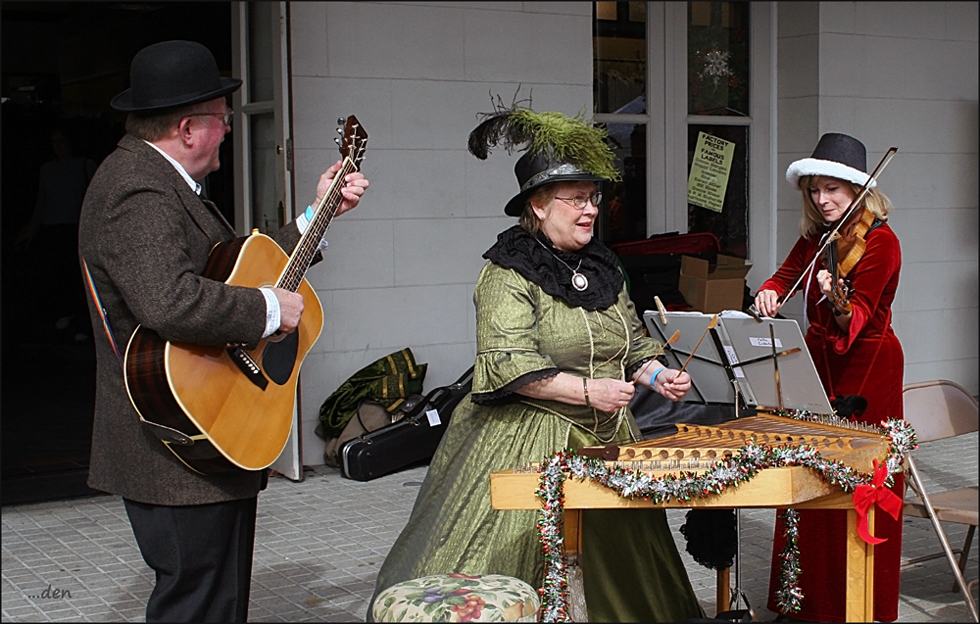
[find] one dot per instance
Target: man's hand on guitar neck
(290, 309)
(354, 186)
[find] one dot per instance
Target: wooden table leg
(723, 596)
(572, 528)
(572, 533)
(860, 571)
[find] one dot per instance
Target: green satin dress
(632, 570)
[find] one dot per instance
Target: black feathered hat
(172, 73)
(836, 155)
(559, 149)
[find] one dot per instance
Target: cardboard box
(712, 288)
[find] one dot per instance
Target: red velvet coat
(868, 361)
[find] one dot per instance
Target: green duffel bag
(388, 381)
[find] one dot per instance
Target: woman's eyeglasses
(582, 201)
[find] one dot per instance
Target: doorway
(62, 63)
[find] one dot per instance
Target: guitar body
(221, 408)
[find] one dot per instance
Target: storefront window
(718, 86)
(718, 58)
(619, 52)
(619, 85)
(640, 102)
(623, 213)
(730, 223)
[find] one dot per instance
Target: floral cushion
(458, 598)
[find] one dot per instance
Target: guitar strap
(102, 313)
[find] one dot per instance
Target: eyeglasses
(225, 117)
(582, 201)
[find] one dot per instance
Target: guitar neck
(308, 244)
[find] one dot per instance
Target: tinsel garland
(740, 468)
(789, 596)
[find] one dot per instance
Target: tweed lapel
(203, 211)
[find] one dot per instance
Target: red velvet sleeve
(872, 275)
(797, 260)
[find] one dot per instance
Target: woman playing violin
(848, 293)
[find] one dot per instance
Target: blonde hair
(812, 222)
(542, 195)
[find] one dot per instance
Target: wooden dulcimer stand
(692, 449)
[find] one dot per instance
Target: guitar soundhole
(279, 358)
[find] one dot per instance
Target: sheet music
(747, 349)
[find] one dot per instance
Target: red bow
(867, 495)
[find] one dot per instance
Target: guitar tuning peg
(340, 131)
(340, 121)
(336, 140)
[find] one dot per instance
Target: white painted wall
(902, 74)
(401, 268)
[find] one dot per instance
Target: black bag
(410, 441)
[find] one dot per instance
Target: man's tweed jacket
(146, 237)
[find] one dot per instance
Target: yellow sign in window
(708, 180)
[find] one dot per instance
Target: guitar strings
(300, 262)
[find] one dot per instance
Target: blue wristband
(653, 380)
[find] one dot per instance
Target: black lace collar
(538, 261)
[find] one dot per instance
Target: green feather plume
(569, 139)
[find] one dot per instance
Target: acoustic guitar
(220, 409)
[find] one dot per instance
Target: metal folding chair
(939, 410)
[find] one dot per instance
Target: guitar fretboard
(308, 244)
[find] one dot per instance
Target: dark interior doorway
(62, 63)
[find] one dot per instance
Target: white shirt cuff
(273, 317)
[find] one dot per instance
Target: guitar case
(407, 442)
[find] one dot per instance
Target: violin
(843, 253)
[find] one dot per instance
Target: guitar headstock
(354, 140)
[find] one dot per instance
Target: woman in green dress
(558, 345)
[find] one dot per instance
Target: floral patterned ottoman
(458, 598)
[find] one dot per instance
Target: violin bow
(673, 338)
(832, 235)
(711, 324)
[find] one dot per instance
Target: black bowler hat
(172, 73)
(836, 155)
(559, 149)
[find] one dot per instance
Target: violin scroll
(840, 299)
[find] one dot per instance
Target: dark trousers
(202, 556)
